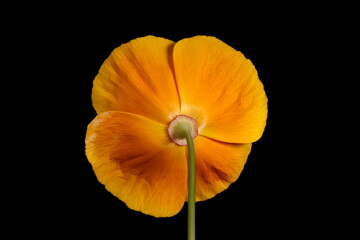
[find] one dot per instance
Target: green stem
(191, 187)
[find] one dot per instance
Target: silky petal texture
(138, 77)
(132, 156)
(218, 164)
(220, 88)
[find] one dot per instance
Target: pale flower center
(180, 127)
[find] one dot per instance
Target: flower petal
(218, 164)
(220, 88)
(138, 77)
(132, 156)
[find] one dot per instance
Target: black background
(289, 184)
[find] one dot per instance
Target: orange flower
(147, 83)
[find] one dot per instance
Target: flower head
(143, 90)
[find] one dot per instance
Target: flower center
(181, 127)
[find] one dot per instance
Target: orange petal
(220, 88)
(218, 164)
(132, 156)
(137, 77)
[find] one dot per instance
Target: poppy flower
(142, 89)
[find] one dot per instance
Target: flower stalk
(182, 130)
(191, 186)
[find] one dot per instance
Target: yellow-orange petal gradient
(138, 77)
(132, 156)
(220, 88)
(218, 164)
